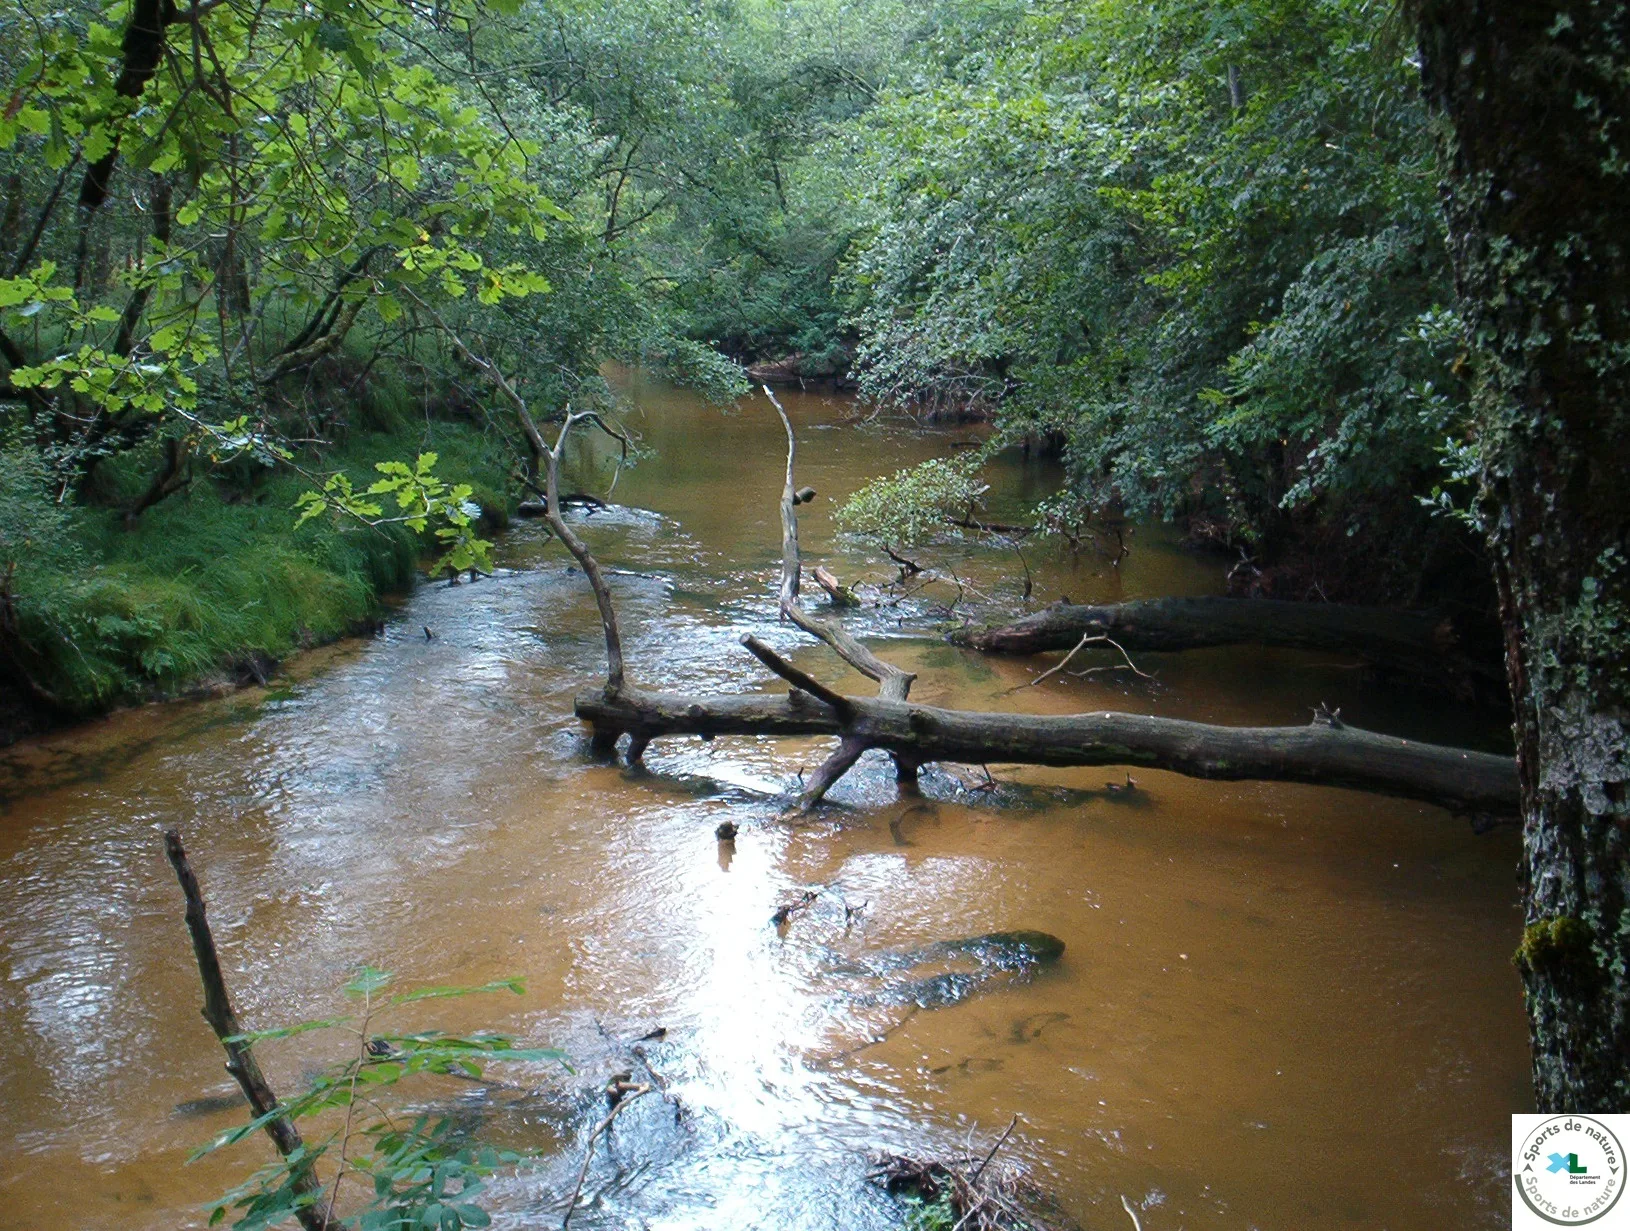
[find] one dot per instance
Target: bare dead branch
(581, 553)
(893, 683)
(240, 1058)
(1459, 779)
(1086, 640)
(624, 1098)
(797, 678)
(1000, 1141)
(557, 523)
(840, 594)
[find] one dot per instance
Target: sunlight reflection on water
(1251, 973)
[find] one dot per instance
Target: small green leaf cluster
(936, 1215)
(911, 506)
(419, 1174)
(422, 500)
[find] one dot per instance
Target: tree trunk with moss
(1534, 101)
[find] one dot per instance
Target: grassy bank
(212, 582)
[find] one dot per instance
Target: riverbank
(214, 586)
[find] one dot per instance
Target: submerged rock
(226, 1099)
(973, 963)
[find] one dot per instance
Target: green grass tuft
(216, 576)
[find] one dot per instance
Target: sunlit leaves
(310, 136)
(419, 499)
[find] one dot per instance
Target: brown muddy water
(1280, 1007)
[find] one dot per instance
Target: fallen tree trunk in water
(1420, 645)
(1324, 752)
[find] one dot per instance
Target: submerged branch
(1086, 640)
(623, 1098)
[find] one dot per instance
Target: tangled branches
(968, 1195)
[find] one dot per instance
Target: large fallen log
(1415, 644)
(1324, 752)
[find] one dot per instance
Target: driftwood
(1325, 752)
(979, 1200)
(840, 594)
(1414, 644)
(1319, 753)
(240, 1058)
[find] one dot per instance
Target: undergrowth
(214, 579)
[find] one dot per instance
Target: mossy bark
(1533, 102)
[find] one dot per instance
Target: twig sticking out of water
(623, 1094)
(1131, 1213)
(788, 909)
(240, 1058)
(1006, 1133)
(980, 1199)
(1086, 640)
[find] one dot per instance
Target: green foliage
(701, 367)
(1589, 633)
(912, 505)
(1199, 248)
(719, 188)
(419, 496)
(285, 208)
(211, 578)
(1200, 245)
(36, 529)
(422, 1174)
(936, 1215)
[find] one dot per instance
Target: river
(1279, 1007)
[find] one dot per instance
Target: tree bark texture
(1322, 753)
(1533, 102)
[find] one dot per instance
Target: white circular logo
(1569, 1170)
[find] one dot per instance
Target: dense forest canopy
(273, 277)
(1195, 247)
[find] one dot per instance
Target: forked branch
(1322, 753)
(557, 523)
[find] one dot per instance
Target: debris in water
(976, 1197)
(785, 913)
